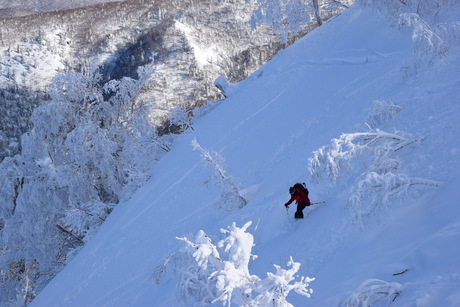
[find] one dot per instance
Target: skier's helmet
(292, 190)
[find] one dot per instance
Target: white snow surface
(320, 87)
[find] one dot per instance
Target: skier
(298, 193)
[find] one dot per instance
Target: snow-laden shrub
(208, 272)
(232, 197)
(426, 41)
(428, 10)
(428, 45)
(85, 219)
(373, 292)
(376, 164)
(381, 113)
(335, 160)
(375, 191)
(449, 33)
(431, 43)
(432, 40)
(276, 286)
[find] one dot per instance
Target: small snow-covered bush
(376, 190)
(231, 198)
(374, 291)
(334, 160)
(381, 113)
(275, 287)
(376, 164)
(208, 272)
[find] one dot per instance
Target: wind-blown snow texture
(321, 87)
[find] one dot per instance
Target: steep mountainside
(365, 110)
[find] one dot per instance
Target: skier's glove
(286, 205)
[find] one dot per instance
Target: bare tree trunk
(319, 21)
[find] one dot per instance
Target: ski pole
(319, 202)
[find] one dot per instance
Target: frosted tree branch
(379, 180)
(211, 273)
(232, 197)
(334, 160)
(373, 292)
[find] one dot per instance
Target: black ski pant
(299, 214)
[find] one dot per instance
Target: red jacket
(299, 197)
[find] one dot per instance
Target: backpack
(302, 186)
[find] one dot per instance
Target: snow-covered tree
(287, 17)
(431, 43)
(88, 149)
(432, 40)
(208, 272)
(232, 197)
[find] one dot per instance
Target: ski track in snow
(275, 99)
(165, 192)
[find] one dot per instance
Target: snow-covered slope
(324, 85)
